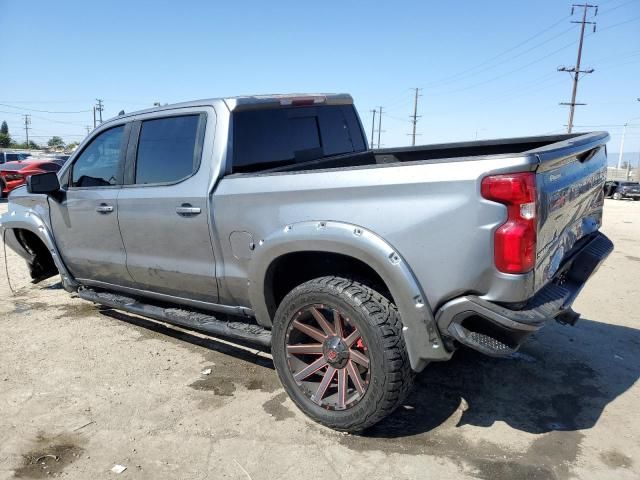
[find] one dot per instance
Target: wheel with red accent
(339, 352)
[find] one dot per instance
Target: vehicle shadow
(231, 348)
(561, 380)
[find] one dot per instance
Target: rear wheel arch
(356, 246)
(292, 269)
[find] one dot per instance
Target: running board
(182, 318)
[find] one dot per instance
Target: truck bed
(438, 153)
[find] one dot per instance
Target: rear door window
(168, 149)
(270, 138)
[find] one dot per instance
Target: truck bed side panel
(432, 214)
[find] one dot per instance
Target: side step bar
(183, 318)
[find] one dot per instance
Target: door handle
(186, 209)
(104, 208)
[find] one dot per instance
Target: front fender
(26, 218)
(421, 335)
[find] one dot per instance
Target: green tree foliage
(4, 128)
(5, 140)
(23, 145)
(55, 142)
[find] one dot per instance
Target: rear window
(12, 157)
(271, 138)
(167, 150)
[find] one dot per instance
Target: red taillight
(514, 240)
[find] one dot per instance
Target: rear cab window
(277, 137)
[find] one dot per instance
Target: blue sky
(486, 68)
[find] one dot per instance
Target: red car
(14, 174)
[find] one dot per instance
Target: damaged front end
(24, 230)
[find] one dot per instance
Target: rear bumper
(498, 330)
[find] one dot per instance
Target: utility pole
(415, 115)
(624, 133)
(621, 152)
(27, 122)
(575, 71)
(379, 125)
(99, 108)
(94, 116)
(373, 125)
(88, 129)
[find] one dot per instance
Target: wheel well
(41, 265)
(290, 270)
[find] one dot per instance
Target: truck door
(163, 209)
(85, 218)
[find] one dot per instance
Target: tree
(24, 146)
(55, 142)
(5, 139)
(4, 128)
(72, 145)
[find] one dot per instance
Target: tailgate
(570, 182)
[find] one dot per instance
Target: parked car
(266, 219)
(618, 190)
(14, 174)
(13, 156)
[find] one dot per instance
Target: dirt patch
(632, 258)
(25, 307)
(76, 310)
(225, 376)
(548, 457)
(49, 457)
(221, 386)
(615, 459)
(275, 407)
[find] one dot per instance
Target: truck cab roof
(250, 102)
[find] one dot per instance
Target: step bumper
(498, 330)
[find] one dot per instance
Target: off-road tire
(378, 321)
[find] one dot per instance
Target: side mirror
(46, 183)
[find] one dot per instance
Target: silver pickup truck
(266, 219)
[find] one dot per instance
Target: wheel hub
(327, 357)
(336, 352)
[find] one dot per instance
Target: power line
(467, 71)
(576, 70)
(41, 111)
